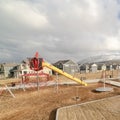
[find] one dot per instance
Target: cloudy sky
(58, 29)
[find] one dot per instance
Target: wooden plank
(92, 113)
(71, 115)
(10, 91)
(105, 109)
(108, 110)
(62, 114)
(79, 113)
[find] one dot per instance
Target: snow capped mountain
(106, 56)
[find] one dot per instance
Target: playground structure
(44, 64)
(30, 79)
(43, 79)
(37, 64)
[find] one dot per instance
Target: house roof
(9, 64)
(61, 61)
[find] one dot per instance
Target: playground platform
(104, 109)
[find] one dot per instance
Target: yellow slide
(44, 64)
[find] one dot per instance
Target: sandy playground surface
(42, 104)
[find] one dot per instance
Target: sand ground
(42, 104)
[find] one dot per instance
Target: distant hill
(111, 58)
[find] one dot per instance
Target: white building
(94, 68)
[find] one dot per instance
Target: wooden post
(10, 91)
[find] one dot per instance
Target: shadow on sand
(53, 114)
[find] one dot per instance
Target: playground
(42, 104)
(39, 99)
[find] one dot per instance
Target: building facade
(6, 69)
(67, 66)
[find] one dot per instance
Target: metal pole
(22, 84)
(37, 81)
(104, 78)
(57, 82)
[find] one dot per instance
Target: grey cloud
(57, 29)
